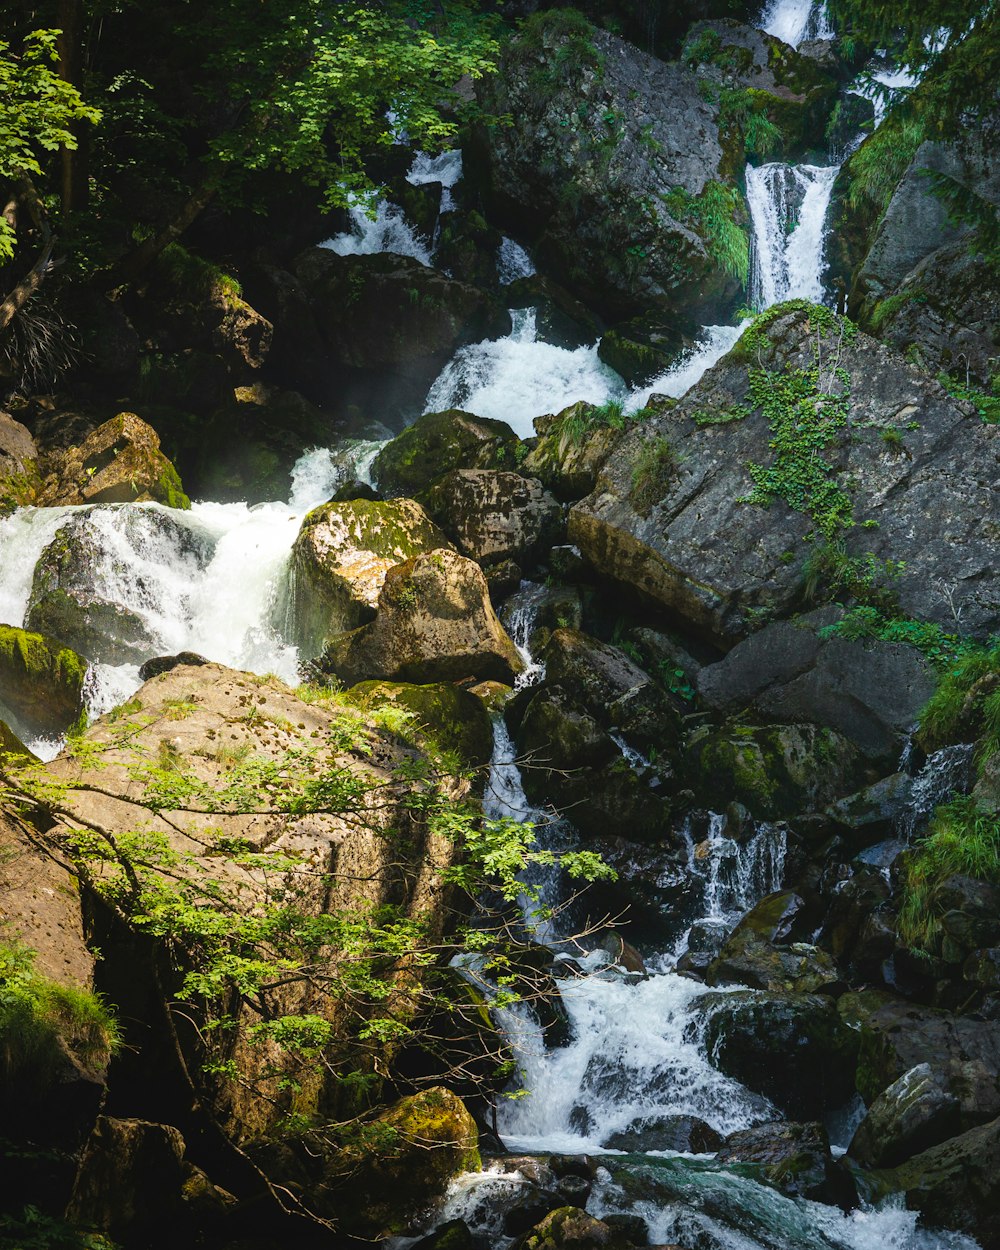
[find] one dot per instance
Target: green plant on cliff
(963, 840)
(877, 166)
(653, 473)
(987, 403)
(715, 214)
(966, 705)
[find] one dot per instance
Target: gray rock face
(872, 692)
(492, 515)
(918, 467)
(794, 1158)
(604, 132)
(915, 1112)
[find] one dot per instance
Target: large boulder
(41, 681)
(572, 1228)
(776, 771)
(453, 718)
(619, 161)
(18, 464)
(341, 556)
(434, 623)
(682, 1133)
(493, 515)
(869, 691)
(794, 1158)
(693, 509)
(439, 442)
(912, 1114)
(745, 1031)
(570, 449)
(119, 462)
(760, 951)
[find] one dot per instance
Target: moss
(41, 679)
(455, 720)
(652, 474)
(169, 490)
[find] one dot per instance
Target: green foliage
(963, 840)
(35, 1230)
(822, 321)
(877, 166)
(966, 704)
(715, 215)
(831, 573)
(38, 112)
(37, 1014)
(887, 308)
(987, 403)
(652, 474)
(867, 621)
(745, 110)
(582, 419)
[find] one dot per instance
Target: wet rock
(670, 1132)
(641, 349)
(896, 1036)
(852, 926)
(870, 691)
(570, 1227)
(340, 559)
(874, 811)
(454, 719)
(913, 1113)
(41, 681)
(559, 317)
(493, 515)
(119, 462)
(434, 623)
(437, 443)
(759, 953)
(794, 1158)
(571, 448)
(165, 663)
(775, 771)
(953, 1185)
(18, 464)
(669, 516)
(745, 1031)
(452, 1235)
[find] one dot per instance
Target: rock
(423, 1141)
(669, 515)
(129, 1184)
(119, 462)
(745, 1030)
(641, 349)
(493, 515)
(454, 719)
(896, 1036)
(437, 443)
(11, 744)
(570, 451)
(559, 317)
(913, 1113)
(341, 556)
(165, 663)
(77, 593)
(41, 681)
(18, 464)
(758, 952)
(434, 623)
(685, 1133)
(570, 1227)
(451, 1235)
(873, 811)
(794, 1158)
(870, 691)
(388, 312)
(776, 771)
(953, 1185)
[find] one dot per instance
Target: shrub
(654, 470)
(966, 705)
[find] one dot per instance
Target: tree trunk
(24, 290)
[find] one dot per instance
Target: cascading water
(513, 262)
(793, 21)
(788, 207)
(383, 229)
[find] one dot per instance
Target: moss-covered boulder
(402, 1164)
(18, 464)
(41, 681)
(451, 717)
(434, 622)
(794, 1158)
(573, 1229)
(570, 450)
(11, 744)
(340, 559)
(776, 771)
(119, 462)
(761, 952)
(913, 1114)
(746, 1031)
(494, 515)
(438, 442)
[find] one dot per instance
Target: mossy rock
(41, 681)
(777, 771)
(571, 448)
(11, 744)
(640, 351)
(571, 1228)
(438, 442)
(403, 1162)
(456, 720)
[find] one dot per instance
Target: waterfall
(735, 874)
(788, 206)
(385, 231)
(445, 168)
(513, 262)
(793, 21)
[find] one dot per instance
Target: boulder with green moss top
(493, 515)
(11, 744)
(761, 952)
(570, 450)
(438, 442)
(340, 559)
(794, 1158)
(776, 771)
(571, 1228)
(453, 718)
(18, 464)
(728, 541)
(400, 1165)
(641, 349)
(69, 602)
(434, 622)
(119, 462)
(41, 681)
(745, 1030)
